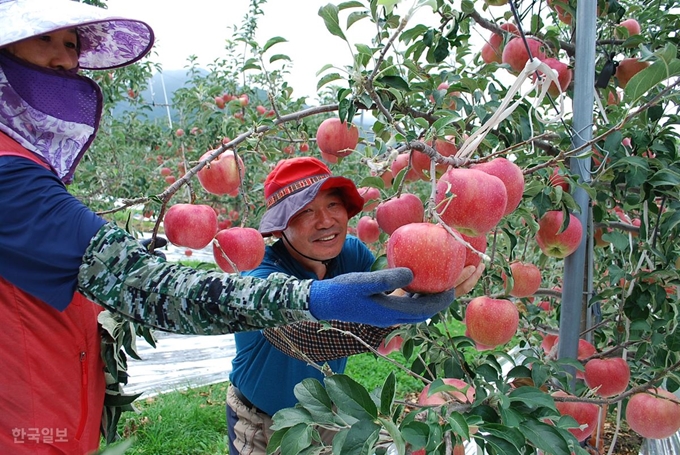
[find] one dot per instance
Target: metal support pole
(584, 97)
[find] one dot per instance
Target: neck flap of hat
(54, 114)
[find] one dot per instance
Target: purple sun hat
(106, 41)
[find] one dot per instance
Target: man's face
(319, 229)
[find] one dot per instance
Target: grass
(193, 422)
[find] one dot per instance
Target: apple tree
(464, 93)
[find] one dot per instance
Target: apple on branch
(512, 177)
(552, 240)
(607, 377)
(463, 393)
(526, 279)
(491, 322)
(396, 212)
(190, 225)
(223, 175)
(433, 255)
(368, 230)
(585, 414)
(654, 414)
(337, 138)
(243, 248)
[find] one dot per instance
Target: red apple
(243, 100)
(304, 147)
(261, 109)
(557, 179)
(433, 255)
(368, 230)
(490, 54)
(188, 253)
(585, 414)
(170, 179)
(631, 25)
(327, 157)
(607, 377)
(190, 225)
(336, 138)
(554, 243)
(628, 67)
(179, 132)
(243, 246)
(470, 200)
(526, 279)
(222, 175)
(165, 171)
(401, 162)
(396, 212)
(371, 197)
(465, 393)
(491, 51)
(491, 322)
(479, 244)
(448, 99)
(219, 102)
(515, 53)
(512, 177)
(564, 75)
(654, 417)
(391, 346)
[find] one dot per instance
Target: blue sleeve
(364, 257)
(44, 231)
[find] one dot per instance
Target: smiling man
(307, 210)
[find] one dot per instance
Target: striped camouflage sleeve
(120, 275)
(307, 341)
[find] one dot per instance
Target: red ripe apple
(188, 253)
(327, 157)
(170, 179)
(368, 230)
(304, 147)
(243, 246)
(491, 51)
(628, 67)
(221, 176)
(515, 53)
(396, 212)
(491, 322)
(557, 179)
(336, 138)
(391, 346)
(548, 342)
(654, 417)
(224, 224)
(179, 132)
(512, 177)
(479, 244)
(219, 102)
(190, 225)
(526, 278)
(243, 100)
(166, 171)
(490, 54)
(387, 177)
(564, 75)
(449, 101)
(261, 109)
(464, 394)
(607, 377)
(371, 197)
(288, 150)
(584, 414)
(554, 243)
(400, 162)
(470, 200)
(631, 25)
(433, 255)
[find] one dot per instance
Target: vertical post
(584, 97)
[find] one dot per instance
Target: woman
(57, 257)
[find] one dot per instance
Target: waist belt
(242, 398)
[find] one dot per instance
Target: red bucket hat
(294, 183)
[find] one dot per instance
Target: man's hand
(468, 278)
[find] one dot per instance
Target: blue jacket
(265, 375)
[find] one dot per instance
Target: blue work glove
(159, 243)
(361, 298)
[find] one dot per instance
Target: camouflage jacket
(119, 274)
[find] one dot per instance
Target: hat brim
(277, 217)
(106, 41)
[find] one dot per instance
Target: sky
(200, 27)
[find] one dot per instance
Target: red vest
(51, 373)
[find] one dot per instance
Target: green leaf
(277, 57)
(467, 6)
(395, 434)
(289, 417)
(352, 4)
(650, 77)
(360, 439)
(296, 439)
(665, 177)
(324, 68)
(416, 433)
(273, 41)
(395, 82)
(531, 396)
(329, 13)
(545, 437)
(459, 425)
(387, 394)
(373, 182)
(313, 397)
(355, 17)
(351, 397)
(511, 440)
(275, 440)
(327, 78)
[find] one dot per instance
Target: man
(307, 210)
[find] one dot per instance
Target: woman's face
(56, 50)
